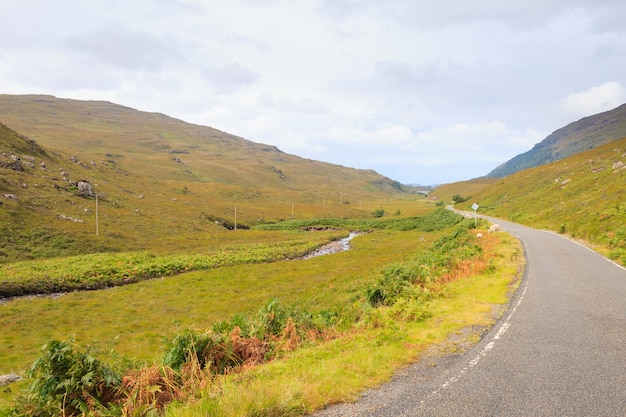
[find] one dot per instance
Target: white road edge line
(584, 246)
(484, 351)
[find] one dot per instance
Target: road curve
(560, 350)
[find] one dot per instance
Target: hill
(584, 134)
(158, 180)
(465, 189)
(582, 196)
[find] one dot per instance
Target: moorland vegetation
(391, 296)
(156, 266)
(157, 269)
(582, 196)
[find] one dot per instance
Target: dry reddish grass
(150, 388)
(467, 267)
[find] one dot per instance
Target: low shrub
(409, 280)
(69, 382)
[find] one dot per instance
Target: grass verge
(338, 370)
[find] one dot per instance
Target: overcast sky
(420, 91)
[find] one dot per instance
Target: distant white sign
(475, 207)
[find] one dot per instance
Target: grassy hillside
(584, 134)
(465, 189)
(583, 196)
(158, 180)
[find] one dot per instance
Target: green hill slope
(583, 196)
(587, 133)
(166, 148)
(158, 180)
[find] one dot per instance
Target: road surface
(560, 350)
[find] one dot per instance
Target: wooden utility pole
(97, 231)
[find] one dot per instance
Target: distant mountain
(587, 133)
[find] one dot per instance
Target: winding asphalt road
(560, 349)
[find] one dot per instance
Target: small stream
(332, 247)
(328, 249)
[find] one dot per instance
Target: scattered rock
(85, 188)
(13, 164)
(8, 379)
(64, 217)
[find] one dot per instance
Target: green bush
(411, 280)
(457, 198)
(68, 382)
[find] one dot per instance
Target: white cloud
(419, 91)
(595, 100)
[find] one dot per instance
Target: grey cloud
(177, 6)
(405, 74)
(307, 106)
(230, 77)
(239, 40)
(517, 13)
(118, 46)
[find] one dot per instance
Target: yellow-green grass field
(134, 319)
